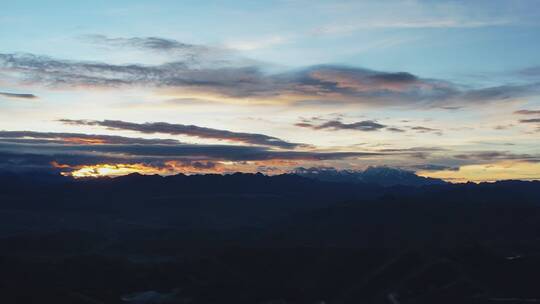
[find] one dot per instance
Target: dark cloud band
(25, 149)
(78, 138)
(532, 120)
(188, 130)
(18, 95)
(366, 125)
(527, 112)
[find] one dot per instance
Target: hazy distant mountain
(384, 176)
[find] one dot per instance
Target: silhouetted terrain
(250, 238)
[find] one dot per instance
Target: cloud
(414, 149)
(26, 150)
(366, 125)
(414, 152)
(225, 80)
(195, 56)
(224, 73)
(188, 130)
(148, 43)
(40, 69)
(527, 112)
(317, 123)
(421, 129)
(349, 17)
(394, 129)
(503, 127)
(18, 95)
(85, 153)
(18, 161)
(340, 84)
(502, 92)
(498, 156)
(406, 24)
(77, 138)
(434, 167)
(532, 120)
(221, 152)
(532, 71)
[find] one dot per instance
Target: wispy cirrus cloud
(376, 15)
(188, 130)
(145, 43)
(194, 56)
(347, 28)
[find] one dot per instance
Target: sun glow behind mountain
(111, 170)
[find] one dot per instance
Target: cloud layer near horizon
(25, 150)
(69, 152)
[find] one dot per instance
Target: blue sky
(427, 37)
(443, 78)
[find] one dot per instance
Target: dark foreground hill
(247, 238)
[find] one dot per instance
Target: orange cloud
(488, 172)
(84, 141)
(57, 165)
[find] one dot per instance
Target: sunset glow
(343, 85)
(103, 170)
(488, 172)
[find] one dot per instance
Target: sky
(448, 89)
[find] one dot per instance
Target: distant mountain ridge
(380, 176)
(383, 176)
